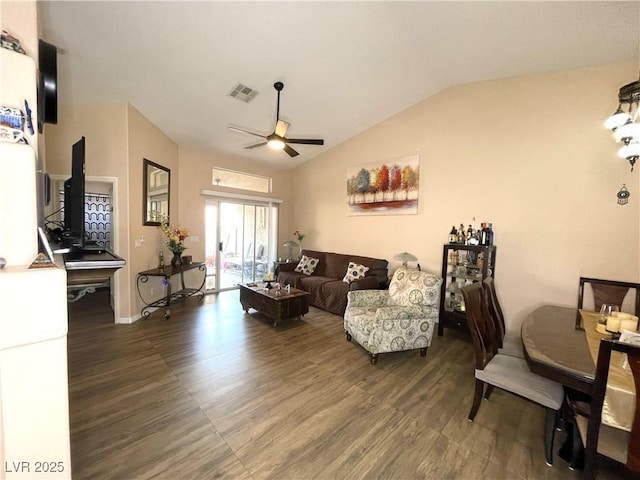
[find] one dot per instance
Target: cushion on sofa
(354, 272)
(307, 265)
(321, 256)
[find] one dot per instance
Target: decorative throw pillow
(307, 265)
(354, 272)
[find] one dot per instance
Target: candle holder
(614, 335)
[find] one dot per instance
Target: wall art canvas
(384, 188)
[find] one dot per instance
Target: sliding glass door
(240, 242)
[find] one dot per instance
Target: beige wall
(105, 129)
(195, 175)
(529, 154)
(145, 140)
(118, 138)
(19, 18)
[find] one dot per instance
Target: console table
(171, 296)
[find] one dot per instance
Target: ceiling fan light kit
(278, 140)
(275, 143)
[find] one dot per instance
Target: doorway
(101, 195)
(240, 242)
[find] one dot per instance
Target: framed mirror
(156, 181)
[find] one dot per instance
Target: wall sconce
(624, 123)
(405, 257)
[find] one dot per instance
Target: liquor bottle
(490, 234)
(454, 257)
(461, 234)
(161, 260)
(453, 235)
(483, 234)
(469, 234)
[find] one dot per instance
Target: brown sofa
(325, 286)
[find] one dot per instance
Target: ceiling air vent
(243, 93)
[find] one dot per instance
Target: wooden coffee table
(277, 307)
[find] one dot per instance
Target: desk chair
(614, 443)
(505, 372)
(608, 291)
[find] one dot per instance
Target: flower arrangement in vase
(174, 239)
(299, 236)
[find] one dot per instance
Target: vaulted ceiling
(345, 65)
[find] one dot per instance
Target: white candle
(613, 324)
(629, 324)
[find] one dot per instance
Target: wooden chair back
(494, 308)
(609, 291)
(597, 400)
(480, 324)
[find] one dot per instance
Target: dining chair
(509, 343)
(598, 438)
(608, 291)
(505, 372)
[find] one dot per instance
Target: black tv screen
(73, 232)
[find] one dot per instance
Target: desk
(171, 296)
(87, 270)
(555, 349)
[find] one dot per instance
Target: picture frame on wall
(388, 187)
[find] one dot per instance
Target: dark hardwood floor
(217, 393)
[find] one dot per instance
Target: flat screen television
(73, 231)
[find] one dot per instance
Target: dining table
(561, 343)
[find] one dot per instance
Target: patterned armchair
(402, 318)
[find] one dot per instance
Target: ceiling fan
(278, 140)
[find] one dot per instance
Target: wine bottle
(453, 235)
(490, 234)
(461, 234)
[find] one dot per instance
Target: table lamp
(405, 257)
(290, 244)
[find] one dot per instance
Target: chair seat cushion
(512, 346)
(612, 442)
(513, 375)
(368, 298)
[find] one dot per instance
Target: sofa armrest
(287, 266)
(365, 283)
(411, 312)
(367, 298)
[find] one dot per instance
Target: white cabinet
(34, 403)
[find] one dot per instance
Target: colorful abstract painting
(384, 188)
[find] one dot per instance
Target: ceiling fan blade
(255, 146)
(290, 151)
(305, 141)
(240, 130)
(281, 128)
